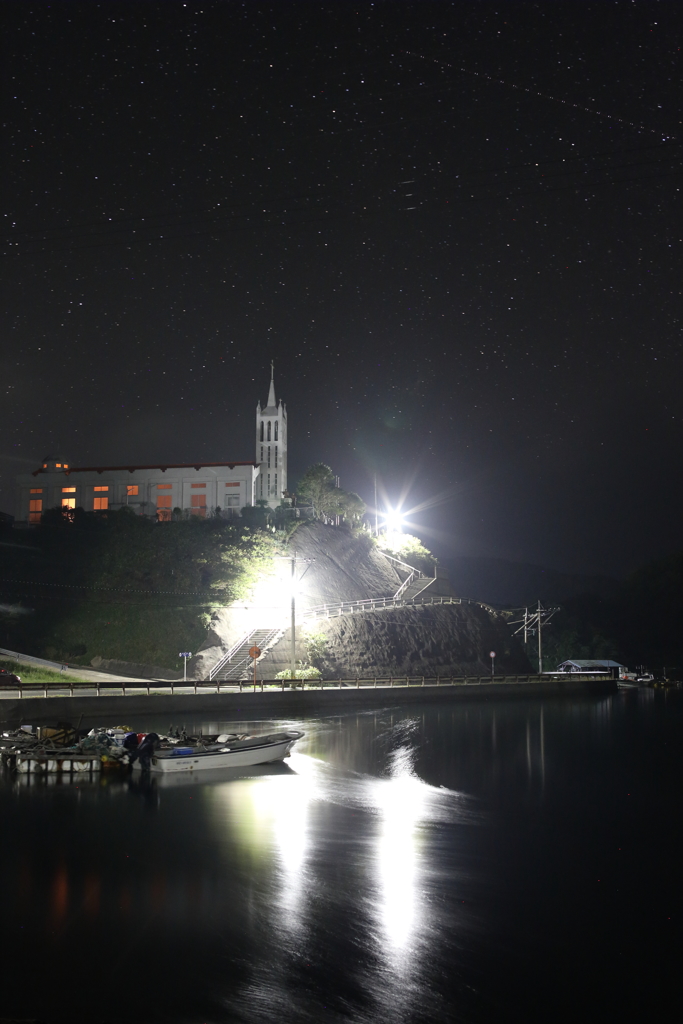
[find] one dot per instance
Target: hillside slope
(420, 640)
(343, 567)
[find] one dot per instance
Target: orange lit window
(66, 465)
(165, 487)
(35, 509)
(58, 465)
(100, 488)
(100, 504)
(199, 504)
(198, 485)
(45, 465)
(232, 485)
(164, 506)
(132, 490)
(68, 503)
(68, 490)
(36, 490)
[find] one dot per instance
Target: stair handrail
(405, 565)
(228, 656)
(265, 643)
(406, 583)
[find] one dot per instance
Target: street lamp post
(294, 560)
(292, 657)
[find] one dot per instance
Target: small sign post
(185, 655)
(492, 655)
(255, 653)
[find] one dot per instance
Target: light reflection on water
(404, 866)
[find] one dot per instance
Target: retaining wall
(276, 703)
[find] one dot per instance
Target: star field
(456, 228)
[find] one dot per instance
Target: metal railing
(405, 565)
(266, 643)
(128, 687)
(328, 611)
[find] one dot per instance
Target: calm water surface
(493, 861)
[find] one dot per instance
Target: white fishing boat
(228, 751)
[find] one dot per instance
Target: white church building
(198, 488)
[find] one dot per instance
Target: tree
(409, 549)
(317, 486)
(353, 507)
(257, 516)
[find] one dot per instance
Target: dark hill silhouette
(517, 584)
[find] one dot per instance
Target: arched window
(261, 429)
(269, 430)
(275, 438)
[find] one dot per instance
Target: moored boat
(227, 751)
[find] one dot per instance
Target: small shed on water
(604, 666)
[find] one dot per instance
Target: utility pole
(294, 559)
(534, 623)
(292, 659)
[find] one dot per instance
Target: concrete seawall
(288, 703)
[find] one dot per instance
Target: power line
(118, 590)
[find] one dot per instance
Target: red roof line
(131, 469)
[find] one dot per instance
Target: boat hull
(239, 757)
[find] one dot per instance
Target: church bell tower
(271, 447)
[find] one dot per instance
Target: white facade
(271, 448)
(147, 490)
(199, 488)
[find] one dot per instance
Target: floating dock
(51, 763)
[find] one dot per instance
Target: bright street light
(394, 521)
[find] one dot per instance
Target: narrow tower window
(275, 437)
(269, 430)
(261, 429)
(276, 456)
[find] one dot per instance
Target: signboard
(185, 654)
(254, 652)
(492, 654)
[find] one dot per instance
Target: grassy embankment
(29, 673)
(122, 587)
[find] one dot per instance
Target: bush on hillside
(121, 586)
(409, 549)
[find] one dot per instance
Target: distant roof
(593, 663)
(169, 465)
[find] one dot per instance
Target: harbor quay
(272, 699)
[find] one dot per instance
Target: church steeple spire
(271, 447)
(271, 393)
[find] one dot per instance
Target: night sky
(455, 227)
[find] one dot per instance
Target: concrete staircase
(236, 663)
(415, 588)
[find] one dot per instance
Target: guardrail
(127, 686)
(328, 611)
